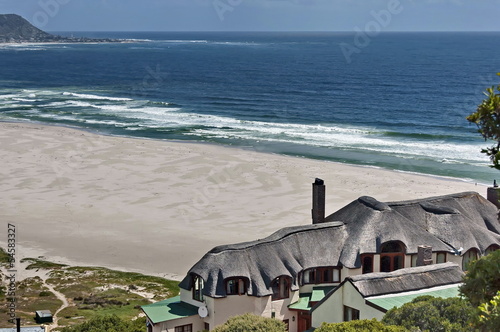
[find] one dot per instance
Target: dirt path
(65, 304)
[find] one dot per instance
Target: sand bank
(158, 206)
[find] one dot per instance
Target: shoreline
(247, 148)
(157, 206)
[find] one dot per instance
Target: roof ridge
(275, 237)
(404, 272)
(433, 198)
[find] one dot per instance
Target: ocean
(396, 100)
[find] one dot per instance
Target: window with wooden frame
(414, 260)
(469, 256)
(236, 286)
(392, 256)
(367, 263)
(197, 288)
(350, 314)
(440, 257)
(184, 328)
(491, 248)
(281, 288)
(321, 275)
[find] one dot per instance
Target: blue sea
(399, 101)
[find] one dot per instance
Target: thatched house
(290, 272)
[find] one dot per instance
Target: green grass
(37, 263)
(4, 257)
(91, 291)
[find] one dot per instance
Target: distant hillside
(15, 29)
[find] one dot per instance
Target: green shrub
(432, 314)
(363, 325)
(251, 323)
(109, 324)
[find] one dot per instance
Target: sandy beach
(157, 207)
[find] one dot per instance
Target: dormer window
(491, 248)
(469, 256)
(392, 256)
(235, 286)
(198, 288)
(321, 275)
(281, 288)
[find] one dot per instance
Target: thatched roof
(285, 253)
(446, 223)
(405, 280)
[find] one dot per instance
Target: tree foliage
(109, 324)
(482, 281)
(487, 118)
(489, 314)
(427, 313)
(364, 325)
(251, 323)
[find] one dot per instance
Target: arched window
(197, 288)
(321, 275)
(367, 263)
(469, 256)
(281, 288)
(392, 256)
(236, 286)
(491, 248)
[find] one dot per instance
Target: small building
(43, 316)
(371, 295)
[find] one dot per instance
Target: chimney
(318, 201)
(424, 255)
(493, 194)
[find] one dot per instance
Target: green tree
(487, 118)
(482, 288)
(251, 323)
(109, 324)
(427, 313)
(364, 325)
(489, 314)
(482, 281)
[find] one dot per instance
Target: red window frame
(281, 288)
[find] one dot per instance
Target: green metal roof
(169, 309)
(320, 292)
(396, 300)
(305, 299)
(302, 303)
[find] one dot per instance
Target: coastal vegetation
(92, 294)
(427, 313)
(110, 323)
(487, 118)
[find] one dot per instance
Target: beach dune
(157, 207)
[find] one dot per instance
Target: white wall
(198, 324)
(332, 310)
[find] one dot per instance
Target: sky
(258, 15)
